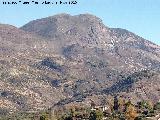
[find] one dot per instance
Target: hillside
(63, 58)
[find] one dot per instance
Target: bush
(96, 115)
(157, 106)
(44, 116)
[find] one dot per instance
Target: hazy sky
(139, 16)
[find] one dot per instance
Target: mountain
(63, 59)
(89, 32)
(20, 81)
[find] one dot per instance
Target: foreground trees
(118, 108)
(96, 115)
(131, 112)
(157, 106)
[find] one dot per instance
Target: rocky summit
(62, 59)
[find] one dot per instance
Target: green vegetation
(157, 106)
(96, 115)
(117, 109)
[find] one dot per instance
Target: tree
(96, 115)
(157, 106)
(145, 105)
(121, 103)
(92, 115)
(66, 117)
(44, 116)
(99, 115)
(116, 104)
(130, 112)
(146, 108)
(110, 101)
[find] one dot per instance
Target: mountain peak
(89, 16)
(86, 16)
(84, 29)
(63, 25)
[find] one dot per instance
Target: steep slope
(21, 84)
(123, 48)
(108, 54)
(64, 58)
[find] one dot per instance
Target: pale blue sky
(139, 16)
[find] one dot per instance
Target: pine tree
(116, 105)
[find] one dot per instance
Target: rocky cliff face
(64, 58)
